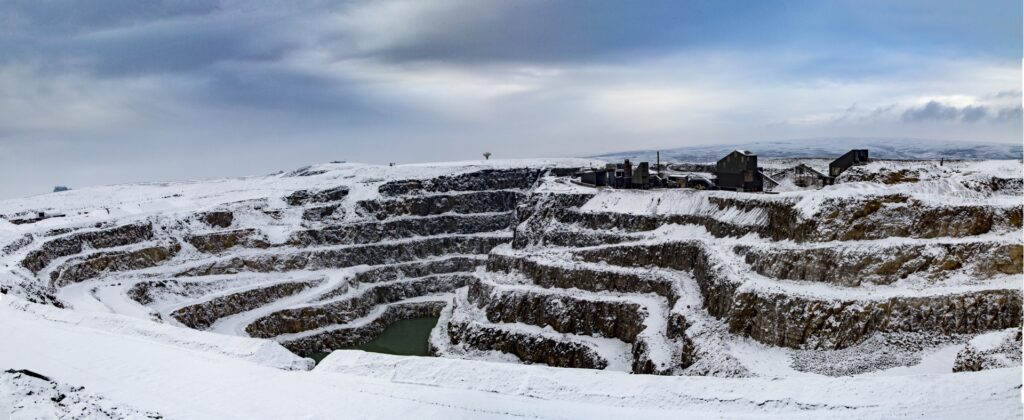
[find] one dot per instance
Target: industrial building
(738, 171)
(852, 158)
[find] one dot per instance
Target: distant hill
(880, 148)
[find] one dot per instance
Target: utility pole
(658, 164)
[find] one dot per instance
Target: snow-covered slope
(137, 373)
(200, 299)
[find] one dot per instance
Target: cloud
(1010, 114)
(936, 111)
(973, 113)
(260, 85)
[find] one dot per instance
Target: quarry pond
(407, 337)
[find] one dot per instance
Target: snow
(671, 203)
(111, 344)
(85, 206)
(195, 378)
(992, 340)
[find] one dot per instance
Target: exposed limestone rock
(217, 242)
(877, 352)
(990, 351)
(296, 320)
(535, 213)
(93, 265)
(377, 254)
(202, 315)
(17, 244)
(465, 203)
(795, 321)
(38, 259)
(413, 269)
(528, 348)
(580, 277)
(370, 232)
(325, 213)
(716, 288)
(303, 197)
(147, 292)
(563, 313)
(488, 179)
(898, 215)
(851, 267)
(221, 219)
(418, 269)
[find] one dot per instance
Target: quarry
(896, 290)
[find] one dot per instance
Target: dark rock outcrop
(93, 265)
(376, 254)
(563, 313)
(73, 244)
(370, 232)
(487, 179)
(790, 320)
(1004, 354)
(217, 242)
(220, 218)
(464, 203)
(884, 265)
(296, 320)
(303, 197)
(202, 315)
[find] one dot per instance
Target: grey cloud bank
(118, 91)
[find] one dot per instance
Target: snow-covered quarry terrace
(894, 293)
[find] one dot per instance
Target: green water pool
(407, 337)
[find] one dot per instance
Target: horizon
(608, 157)
(147, 91)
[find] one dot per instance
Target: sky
(115, 91)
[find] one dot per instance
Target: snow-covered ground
(136, 360)
(179, 373)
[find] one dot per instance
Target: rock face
(901, 216)
(96, 264)
(202, 315)
(527, 347)
(990, 351)
(358, 305)
(882, 264)
(218, 242)
(73, 244)
(367, 233)
(488, 179)
(464, 203)
(303, 197)
(791, 321)
(523, 264)
(565, 314)
(376, 254)
(221, 219)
